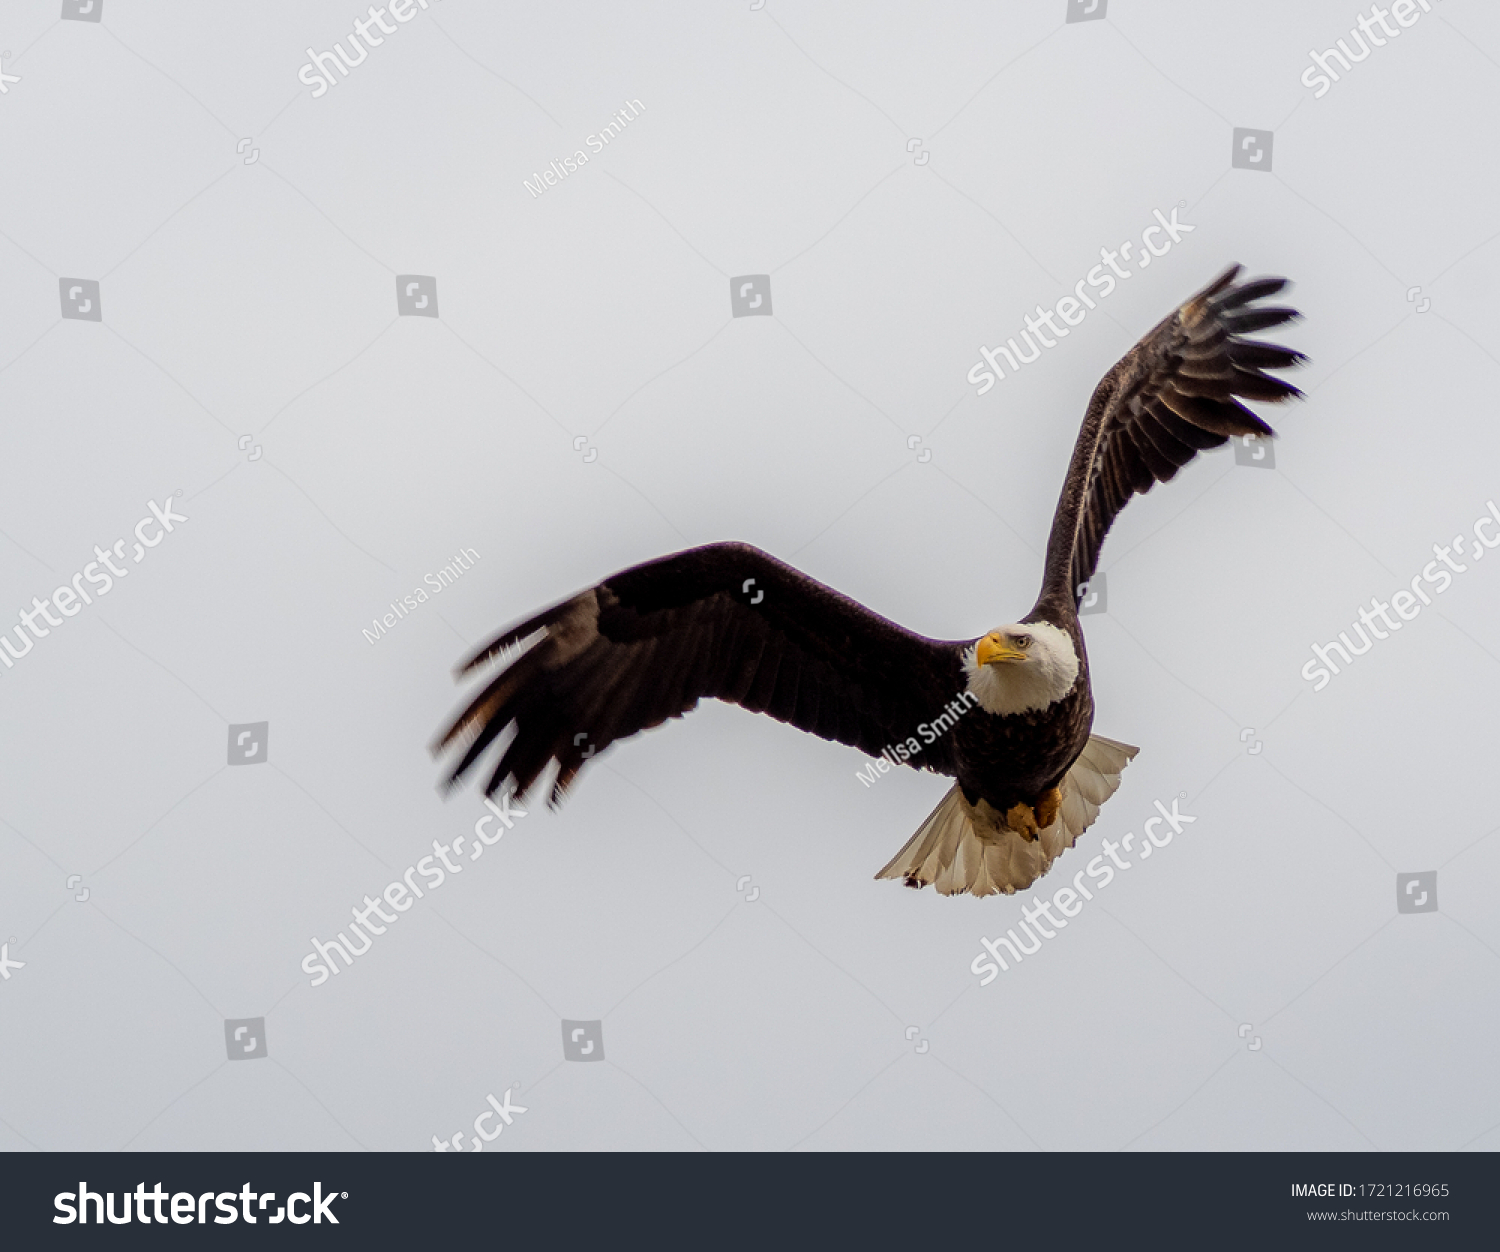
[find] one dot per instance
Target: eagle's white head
(1021, 668)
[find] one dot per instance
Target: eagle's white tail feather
(936, 841)
(967, 848)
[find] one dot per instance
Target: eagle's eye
(1022, 641)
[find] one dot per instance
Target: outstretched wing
(1172, 395)
(726, 621)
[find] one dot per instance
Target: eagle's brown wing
(725, 621)
(1171, 396)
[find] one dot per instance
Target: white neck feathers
(1043, 678)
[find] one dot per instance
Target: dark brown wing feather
(1172, 395)
(725, 621)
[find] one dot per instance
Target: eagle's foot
(1021, 818)
(1047, 807)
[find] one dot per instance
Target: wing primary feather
(1259, 319)
(1256, 289)
(1252, 354)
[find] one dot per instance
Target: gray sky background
(914, 180)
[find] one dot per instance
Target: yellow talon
(1047, 806)
(1021, 819)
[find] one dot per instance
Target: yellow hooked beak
(993, 648)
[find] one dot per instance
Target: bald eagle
(731, 622)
